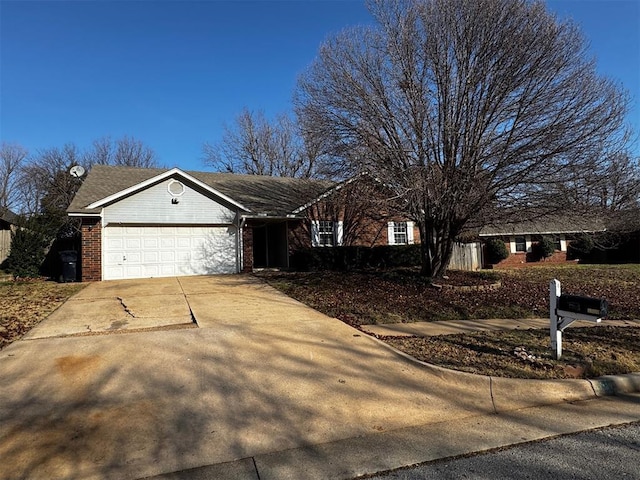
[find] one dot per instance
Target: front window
(326, 233)
(400, 236)
(521, 244)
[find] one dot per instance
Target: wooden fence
(5, 244)
(466, 256)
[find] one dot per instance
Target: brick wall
(522, 259)
(247, 249)
(91, 250)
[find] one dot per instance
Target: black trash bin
(69, 259)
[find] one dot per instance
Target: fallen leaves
(360, 298)
(25, 304)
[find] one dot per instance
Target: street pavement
(610, 452)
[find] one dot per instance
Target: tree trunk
(436, 248)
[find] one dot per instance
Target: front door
(270, 246)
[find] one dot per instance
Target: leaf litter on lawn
(400, 295)
(588, 352)
(24, 304)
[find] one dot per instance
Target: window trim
(391, 233)
(513, 244)
(336, 233)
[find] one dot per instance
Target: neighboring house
(8, 221)
(520, 237)
(140, 223)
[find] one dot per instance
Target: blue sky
(172, 73)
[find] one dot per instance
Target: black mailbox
(596, 307)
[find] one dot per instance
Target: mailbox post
(566, 309)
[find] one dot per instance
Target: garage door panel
(132, 242)
(167, 257)
(114, 243)
(142, 252)
(113, 258)
(133, 257)
(150, 242)
(167, 242)
(150, 257)
(184, 242)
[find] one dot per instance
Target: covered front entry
(270, 245)
(146, 251)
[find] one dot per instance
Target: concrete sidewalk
(263, 384)
(428, 329)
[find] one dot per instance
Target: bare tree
(257, 146)
(125, 151)
(47, 186)
(460, 106)
(12, 157)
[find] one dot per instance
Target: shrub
(27, 253)
(496, 250)
(581, 246)
(544, 248)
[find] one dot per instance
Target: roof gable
(174, 172)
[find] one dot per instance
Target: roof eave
(554, 232)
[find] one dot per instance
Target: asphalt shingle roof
(274, 196)
(575, 223)
(8, 216)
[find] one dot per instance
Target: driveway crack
(126, 309)
(186, 299)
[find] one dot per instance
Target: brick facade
(524, 259)
(91, 250)
(247, 249)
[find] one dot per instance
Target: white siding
(153, 205)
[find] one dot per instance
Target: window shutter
(512, 244)
(315, 233)
(390, 236)
(410, 233)
(528, 243)
(563, 243)
(339, 233)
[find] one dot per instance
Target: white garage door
(161, 251)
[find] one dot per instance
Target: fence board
(466, 256)
(5, 244)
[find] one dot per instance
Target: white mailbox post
(563, 311)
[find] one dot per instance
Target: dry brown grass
(587, 352)
(25, 304)
(360, 298)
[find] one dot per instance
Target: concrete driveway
(258, 375)
(119, 306)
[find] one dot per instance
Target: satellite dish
(77, 171)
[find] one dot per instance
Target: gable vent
(176, 188)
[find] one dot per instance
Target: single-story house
(520, 237)
(141, 222)
(8, 221)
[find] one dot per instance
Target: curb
(616, 384)
(533, 389)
